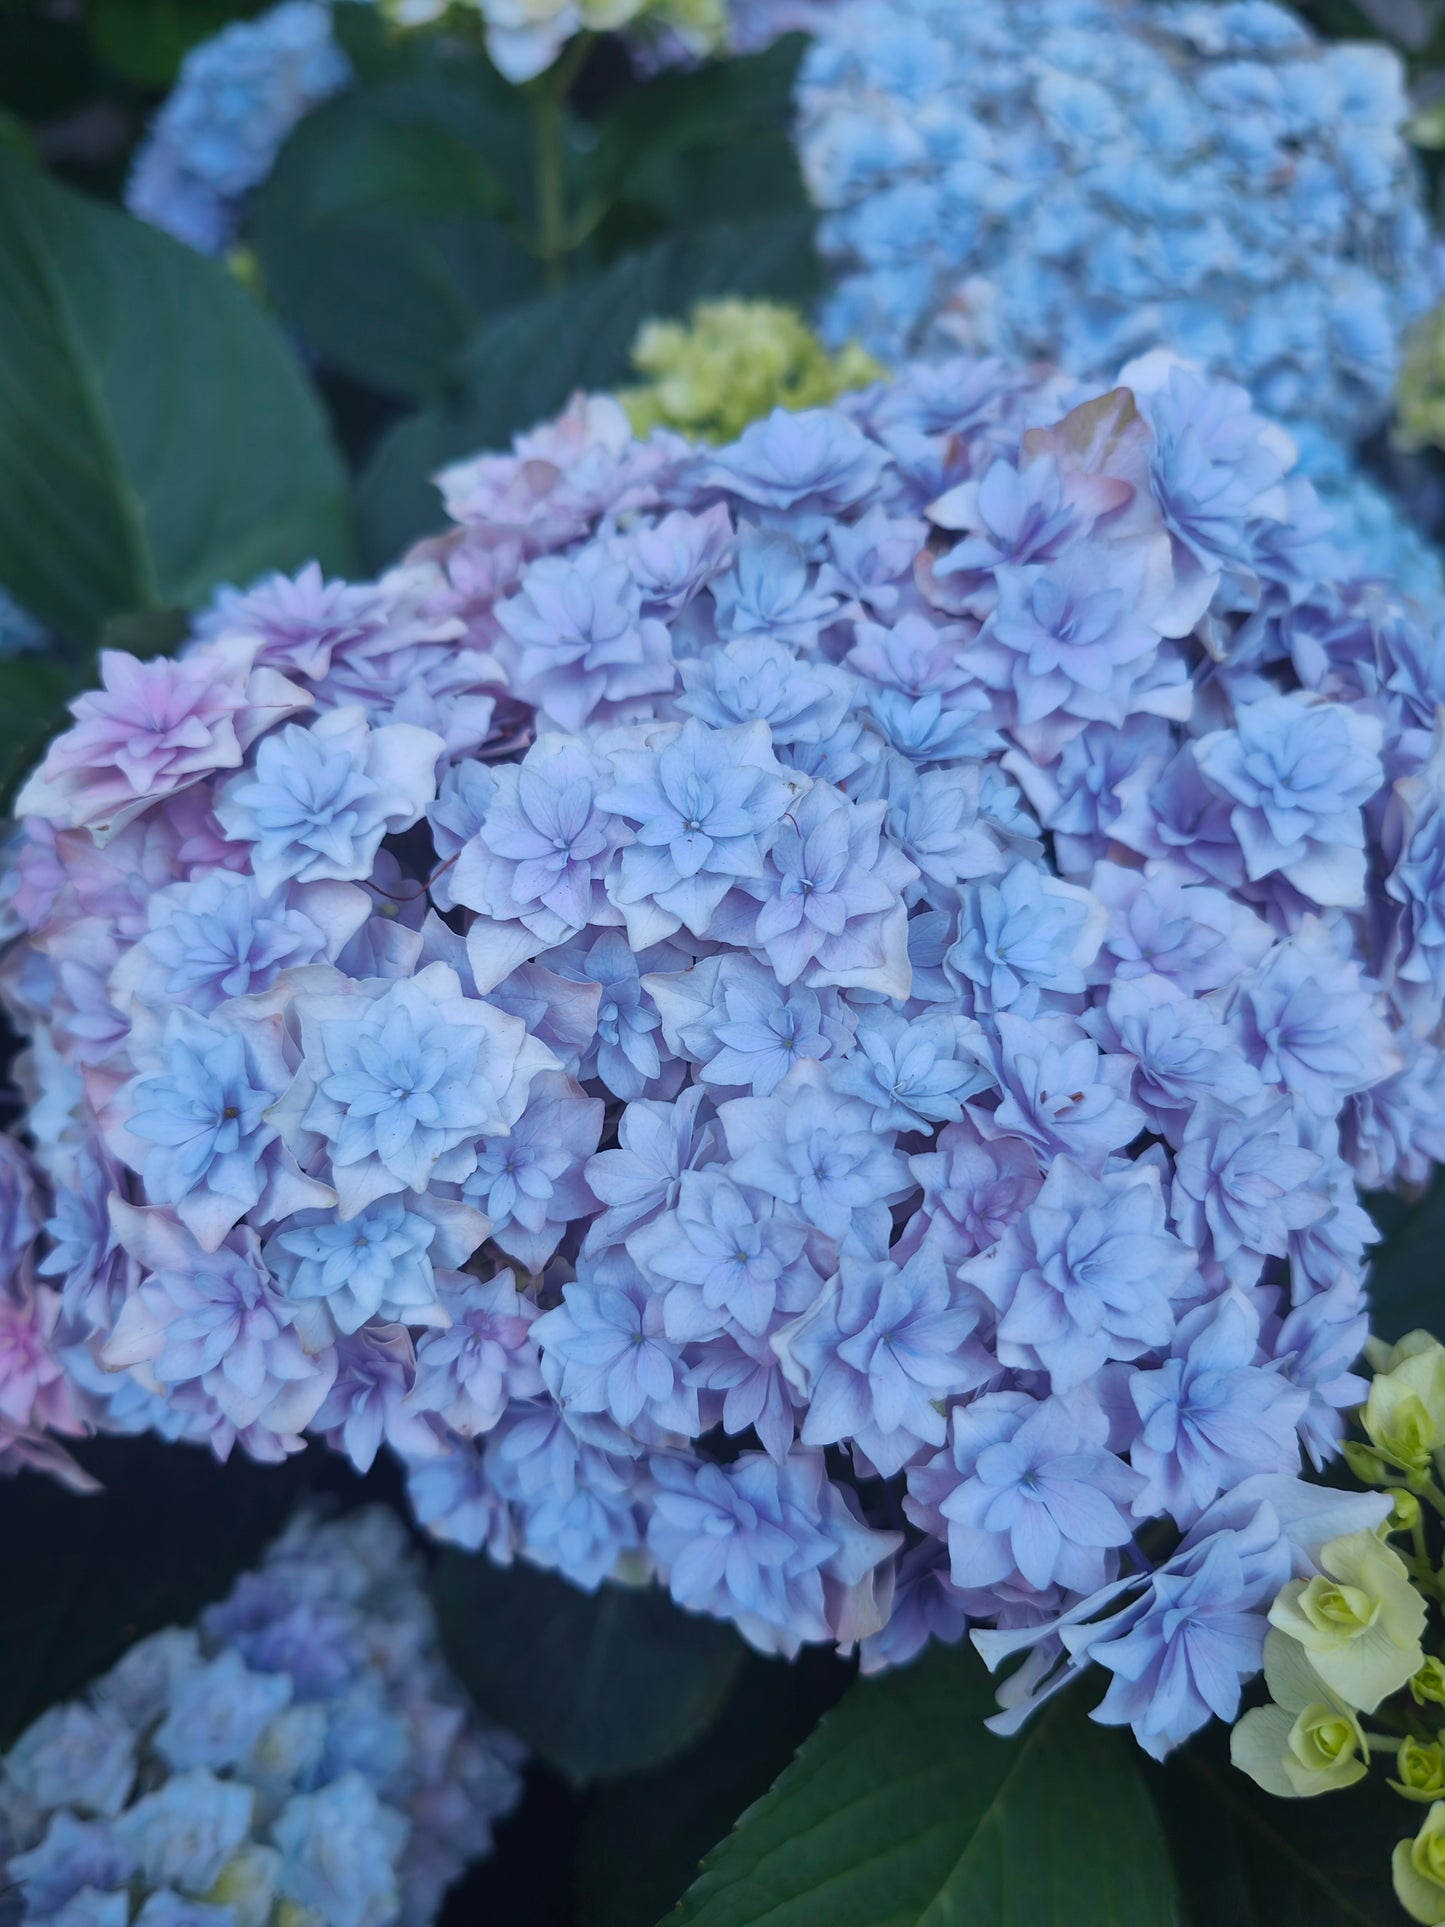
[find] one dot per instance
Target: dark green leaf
(34, 690)
(682, 1808)
(156, 437)
(598, 1685)
(382, 231)
(903, 1811)
(1407, 1275)
(1254, 1861)
(523, 366)
(146, 40)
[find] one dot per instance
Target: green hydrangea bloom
(732, 363)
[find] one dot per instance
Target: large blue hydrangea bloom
(1085, 179)
(813, 1017)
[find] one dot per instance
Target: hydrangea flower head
(237, 97)
(830, 1063)
(731, 363)
(1084, 179)
(301, 1751)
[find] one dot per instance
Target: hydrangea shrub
(299, 1756)
(806, 1018)
(1089, 179)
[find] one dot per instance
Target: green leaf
(34, 690)
(1246, 1858)
(523, 366)
(382, 230)
(156, 437)
(903, 1811)
(598, 1685)
(1407, 1272)
(146, 40)
(682, 1808)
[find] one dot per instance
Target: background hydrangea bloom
(1083, 180)
(1087, 179)
(236, 99)
(303, 1748)
(858, 1071)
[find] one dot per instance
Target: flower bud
(1404, 1414)
(1421, 1768)
(1428, 1685)
(1418, 1867)
(1359, 1620)
(1404, 1513)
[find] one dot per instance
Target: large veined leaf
(156, 436)
(523, 366)
(901, 1810)
(598, 1684)
(382, 230)
(1244, 1857)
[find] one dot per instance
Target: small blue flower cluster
(805, 1017)
(1088, 179)
(301, 1756)
(220, 129)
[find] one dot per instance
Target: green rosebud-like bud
(1309, 1741)
(1427, 1688)
(1404, 1414)
(1359, 1619)
(1418, 1867)
(1421, 1768)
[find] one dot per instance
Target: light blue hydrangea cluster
(1088, 179)
(299, 1758)
(217, 135)
(805, 1017)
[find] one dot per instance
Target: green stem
(549, 97)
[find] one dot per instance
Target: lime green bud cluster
(1420, 390)
(1349, 1644)
(732, 363)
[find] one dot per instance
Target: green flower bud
(1418, 1867)
(1428, 1685)
(1359, 1620)
(1365, 1462)
(1404, 1511)
(1421, 1769)
(1405, 1411)
(1309, 1742)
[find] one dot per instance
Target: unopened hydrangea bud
(1421, 1770)
(1359, 1619)
(1404, 1414)
(1404, 1513)
(1427, 1687)
(1418, 1867)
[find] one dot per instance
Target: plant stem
(549, 97)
